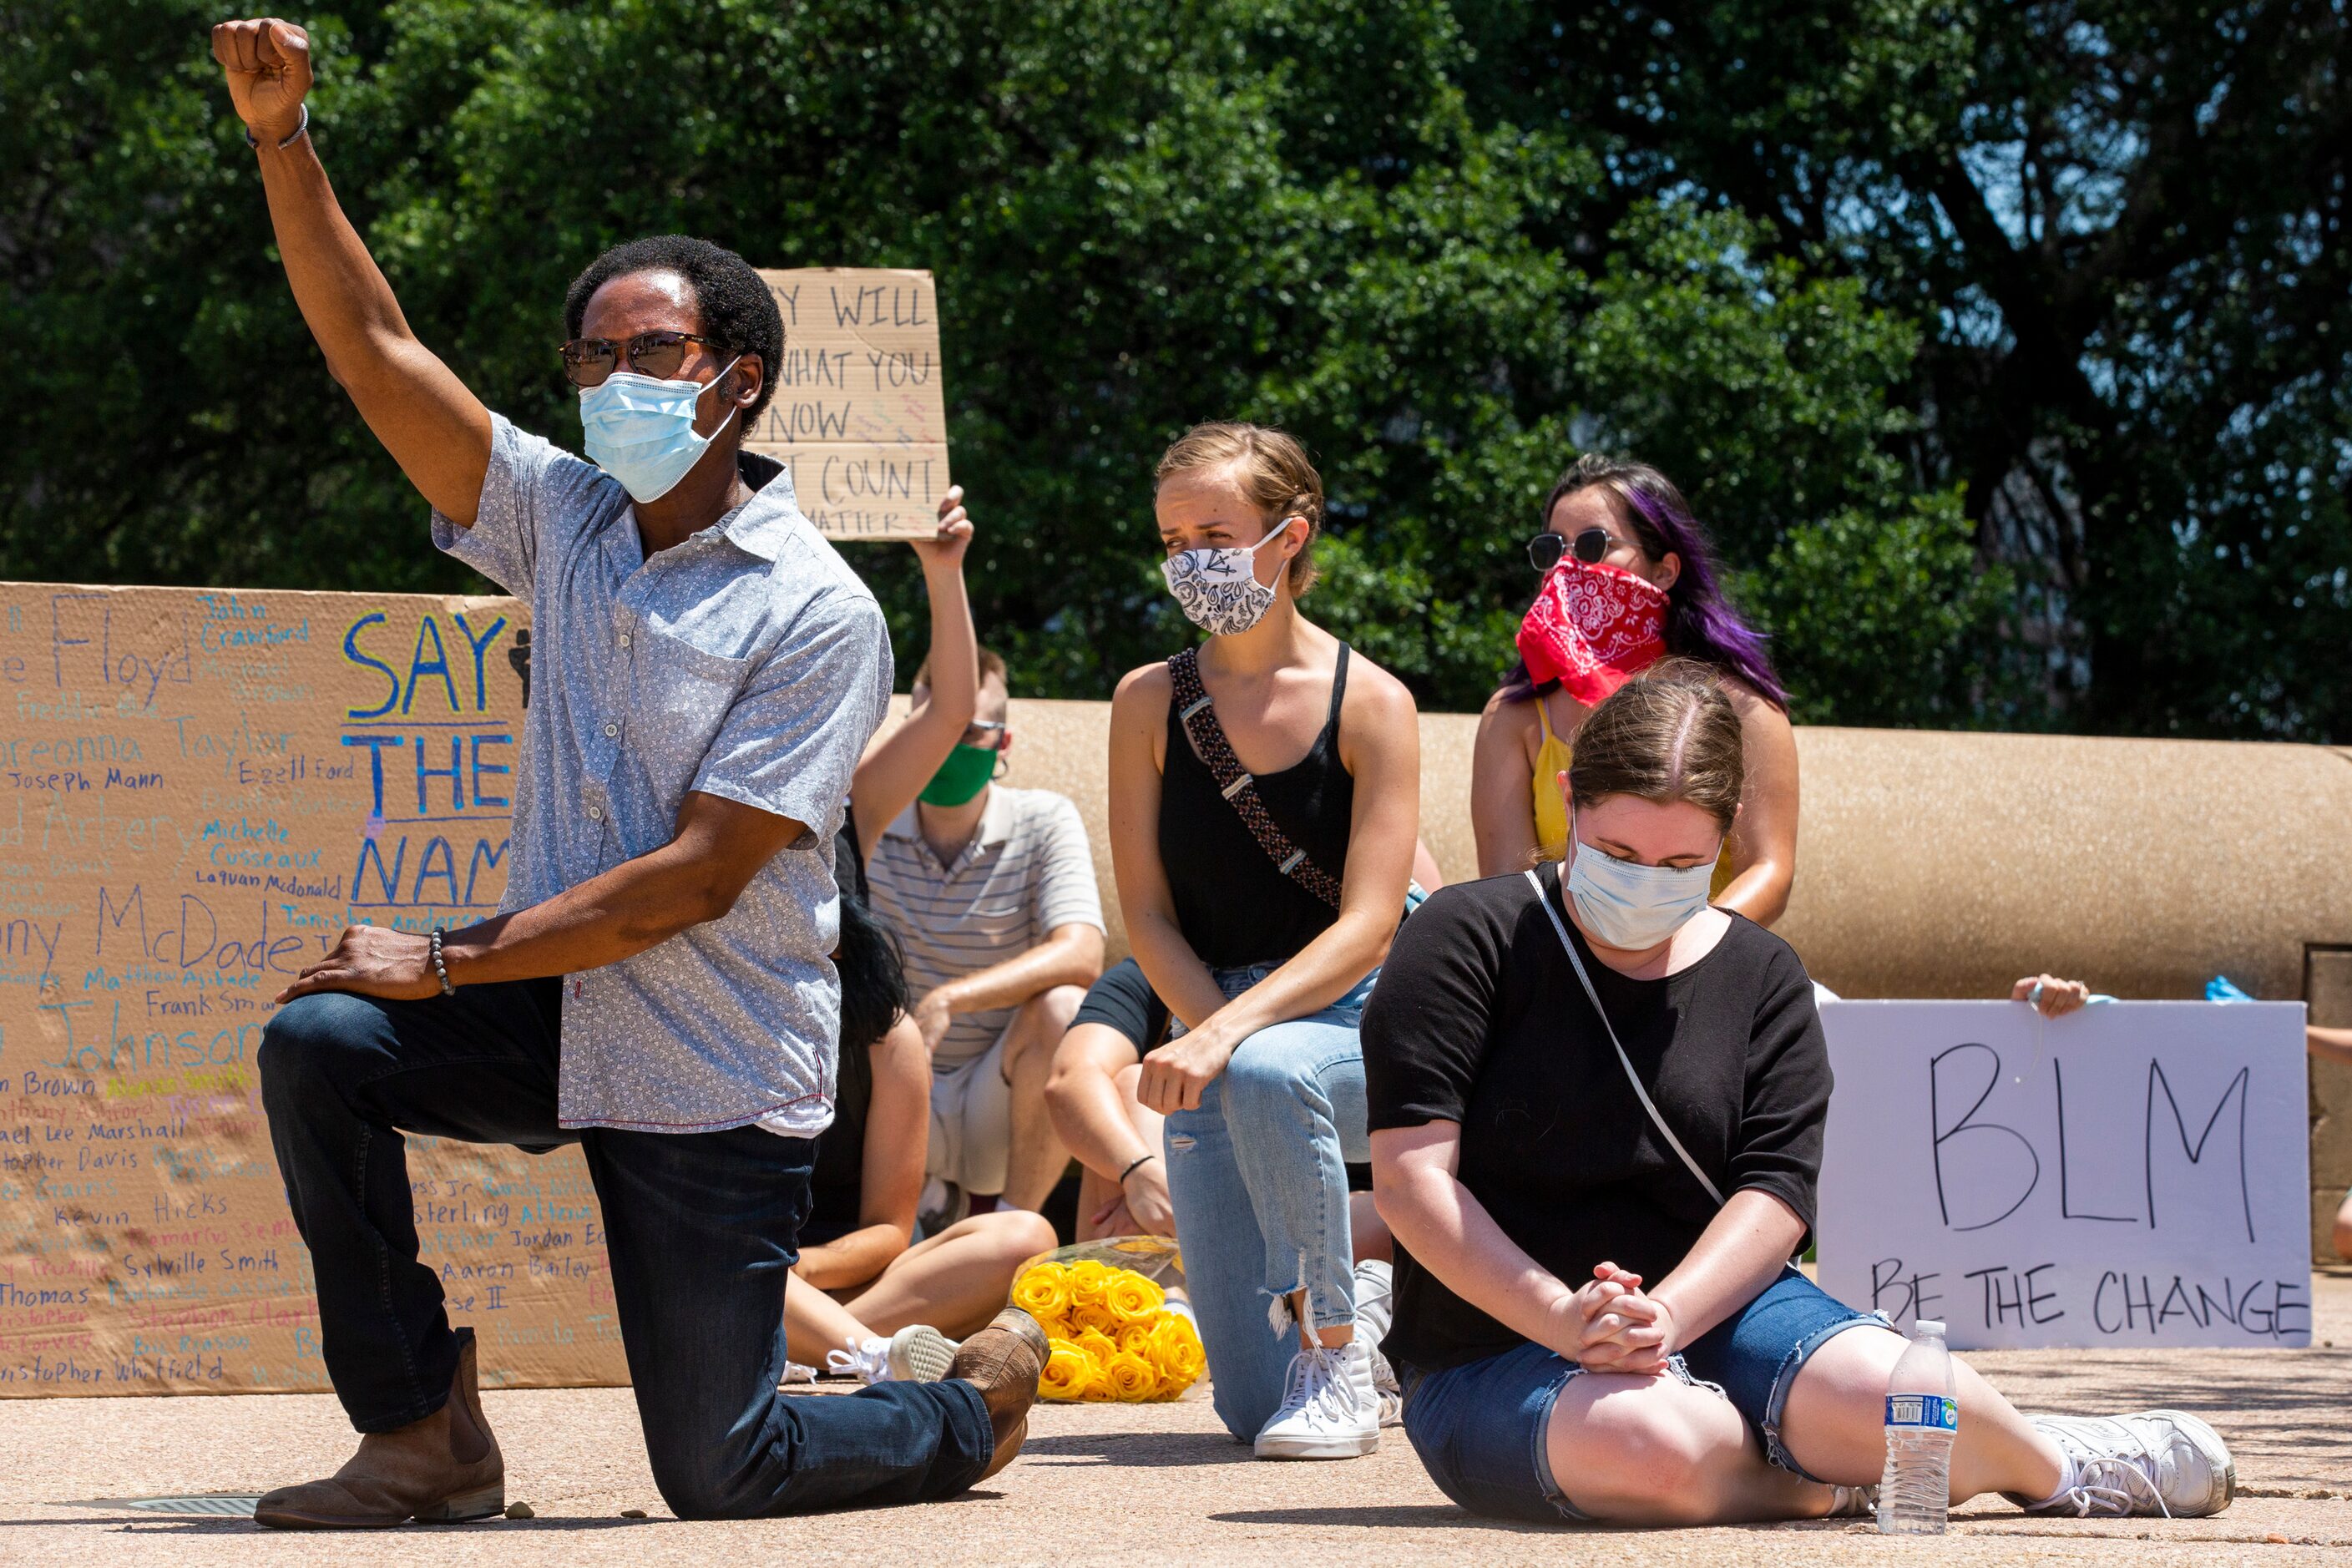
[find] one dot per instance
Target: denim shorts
(1480, 1428)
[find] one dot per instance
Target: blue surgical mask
(1633, 906)
(641, 431)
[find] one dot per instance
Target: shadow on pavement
(1140, 1449)
(130, 1523)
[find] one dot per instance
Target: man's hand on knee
(373, 960)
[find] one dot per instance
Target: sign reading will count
(2135, 1173)
(859, 415)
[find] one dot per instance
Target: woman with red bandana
(1628, 579)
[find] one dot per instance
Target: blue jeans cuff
(1790, 1365)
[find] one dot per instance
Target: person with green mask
(991, 892)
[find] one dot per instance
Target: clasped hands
(1610, 1325)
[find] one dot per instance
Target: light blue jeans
(1259, 1181)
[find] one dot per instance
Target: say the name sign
(859, 415)
(2132, 1174)
(198, 791)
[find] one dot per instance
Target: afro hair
(736, 307)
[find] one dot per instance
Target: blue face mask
(1633, 906)
(640, 430)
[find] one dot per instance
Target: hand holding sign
(859, 414)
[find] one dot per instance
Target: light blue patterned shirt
(748, 662)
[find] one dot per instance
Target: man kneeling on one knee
(991, 890)
(656, 987)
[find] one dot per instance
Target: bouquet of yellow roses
(1115, 1311)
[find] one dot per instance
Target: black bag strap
(1199, 717)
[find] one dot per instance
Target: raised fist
(267, 63)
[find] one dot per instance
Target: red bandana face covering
(1593, 629)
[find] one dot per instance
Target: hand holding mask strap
(1561, 926)
(1208, 737)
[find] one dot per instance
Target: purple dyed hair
(1700, 622)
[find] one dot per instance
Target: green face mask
(963, 775)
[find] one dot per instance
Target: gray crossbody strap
(1561, 926)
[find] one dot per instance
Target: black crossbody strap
(1624, 1060)
(1199, 718)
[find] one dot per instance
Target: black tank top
(1233, 906)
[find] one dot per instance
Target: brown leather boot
(443, 1469)
(1002, 1361)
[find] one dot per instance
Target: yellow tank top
(1552, 803)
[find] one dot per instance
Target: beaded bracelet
(1131, 1164)
(440, 969)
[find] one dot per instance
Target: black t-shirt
(1479, 1020)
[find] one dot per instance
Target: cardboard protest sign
(859, 414)
(198, 791)
(2135, 1173)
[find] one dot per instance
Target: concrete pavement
(1101, 1483)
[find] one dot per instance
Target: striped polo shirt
(1026, 871)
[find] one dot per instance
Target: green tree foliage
(1448, 243)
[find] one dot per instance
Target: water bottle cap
(1930, 1326)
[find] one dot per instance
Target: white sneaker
(1330, 1410)
(915, 1353)
(1375, 1296)
(1375, 1293)
(2160, 1461)
(943, 1204)
(1852, 1502)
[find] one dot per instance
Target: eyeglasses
(589, 361)
(985, 734)
(1591, 545)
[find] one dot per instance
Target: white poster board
(2135, 1174)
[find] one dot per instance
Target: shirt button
(624, 639)
(612, 729)
(595, 814)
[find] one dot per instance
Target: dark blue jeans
(702, 1231)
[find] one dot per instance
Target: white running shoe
(2157, 1462)
(1375, 1291)
(1330, 1410)
(915, 1353)
(1852, 1502)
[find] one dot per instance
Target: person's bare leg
(1834, 1424)
(1369, 1231)
(957, 1280)
(815, 1323)
(1097, 1189)
(1656, 1450)
(2344, 1229)
(1038, 1156)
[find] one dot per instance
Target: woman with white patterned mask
(1264, 799)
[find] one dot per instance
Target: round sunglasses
(1589, 545)
(588, 361)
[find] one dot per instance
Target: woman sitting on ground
(885, 1307)
(1264, 800)
(1628, 578)
(1100, 1114)
(1586, 1327)
(879, 1300)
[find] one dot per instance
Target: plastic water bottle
(1922, 1420)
